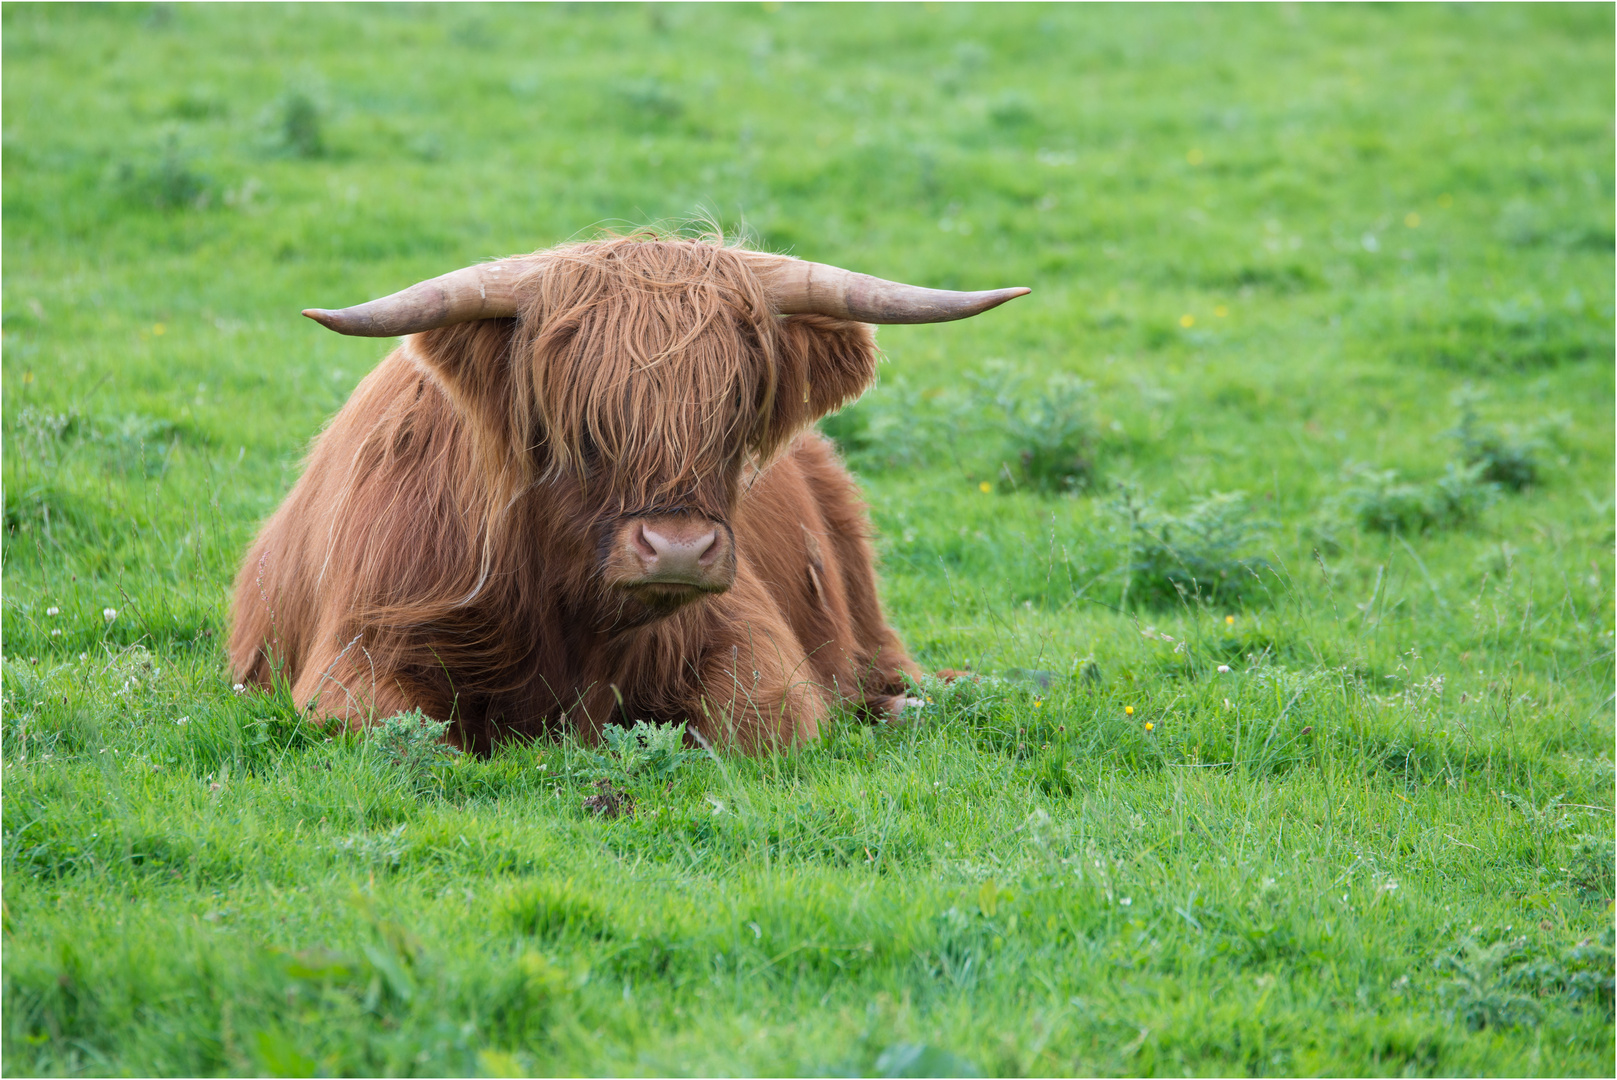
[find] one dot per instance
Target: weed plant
(1035, 437)
(1379, 499)
(301, 127)
(1501, 456)
(1203, 556)
(1314, 779)
(1047, 432)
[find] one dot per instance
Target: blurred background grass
(1315, 382)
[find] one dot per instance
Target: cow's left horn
(807, 288)
(485, 291)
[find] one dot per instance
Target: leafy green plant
(888, 430)
(1379, 500)
(1593, 870)
(302, 127)
(44, 427)
(1501, 456)
(1050, 437)
(1508, 983)
(969, 697)
(643, 752)
(1589, 969)
(1045, 429)
(172, 182)
(414, 742)
(1041, 435)
(1484, 986)
(1200, 555)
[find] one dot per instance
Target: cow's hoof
(891, 709)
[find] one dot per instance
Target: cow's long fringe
(644, 365)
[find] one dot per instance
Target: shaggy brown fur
(446, 545)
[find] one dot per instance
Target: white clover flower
(240, 688)
(1223, 669)
(183, 720)
(109, 613)
(56, 633)
(53, 611)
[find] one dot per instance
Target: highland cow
(585, 489)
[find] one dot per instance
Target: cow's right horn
(798, 287)
(485, 291)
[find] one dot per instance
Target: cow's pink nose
(674, 552)
(671, 559)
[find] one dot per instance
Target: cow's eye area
(589, 452)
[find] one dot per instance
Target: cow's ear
(824, 363)
(473, 362)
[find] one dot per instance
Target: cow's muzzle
(668, 560)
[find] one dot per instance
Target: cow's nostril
(709, 546)
(656, 541)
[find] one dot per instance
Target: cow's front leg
(341, 681)
(755, 687)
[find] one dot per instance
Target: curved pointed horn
(485, 291)
(808, 288)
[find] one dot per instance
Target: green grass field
(1279, 520)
